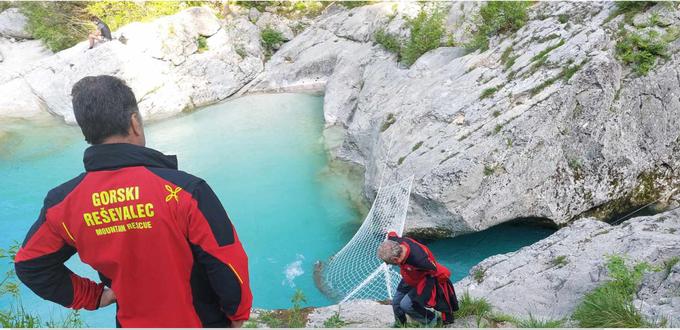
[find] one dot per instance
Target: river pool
(264, 156)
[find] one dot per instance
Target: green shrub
(354, 4)
(118, 13)
(641, 51)
(417, 146)
(479, 273)
(611, 304)
(563, 18)
(497, 129)
(426, 34)
(470, 306)
(295, 317)
(59, 25)
(496, 113)
(202, 44)
(62, 24)
(498, 17)
(5, 5)
(334, 321)
(388, 41)
(270, 38)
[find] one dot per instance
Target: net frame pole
(388, 281)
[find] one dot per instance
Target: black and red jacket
(423, 278)
(158, 237)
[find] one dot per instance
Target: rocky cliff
(547, 123)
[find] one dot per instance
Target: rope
(646, 205)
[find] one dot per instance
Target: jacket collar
(117, 155)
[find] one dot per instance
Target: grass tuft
(533, 322)
(391, 119)
(669, 264)
(611, 304)
(560, 261)
(334, 321)
(470, 306)
(488, 92)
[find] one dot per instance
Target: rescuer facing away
(160, 239)
(424, 283)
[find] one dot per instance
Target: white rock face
(13, 24)
(549, 142)
(160, 61)
(549, 278)
(18, 55)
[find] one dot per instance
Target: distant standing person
(424, 283)
(165, 249)
(103, 33)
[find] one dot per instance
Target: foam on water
(293, 270)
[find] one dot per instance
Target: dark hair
(103, 106)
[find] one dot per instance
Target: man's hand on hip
(237, 324)
(108, 298)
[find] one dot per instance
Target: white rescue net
(355, 272)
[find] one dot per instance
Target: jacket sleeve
(39, 264)
(217, 247)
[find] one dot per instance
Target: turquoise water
(461, 253)
(264, 157)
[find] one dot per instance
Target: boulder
(14, 24)
(160, 61)
(356, 314)
(550, 278)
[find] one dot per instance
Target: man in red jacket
(160, 239)
(424, 283)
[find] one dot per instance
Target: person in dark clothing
(165, 249)
(425, 283)
(103, 33)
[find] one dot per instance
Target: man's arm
(216, 245)
(418, 257)
(39, 264)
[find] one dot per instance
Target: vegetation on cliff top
(498, 17)
(425, 33)
(61, 25)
